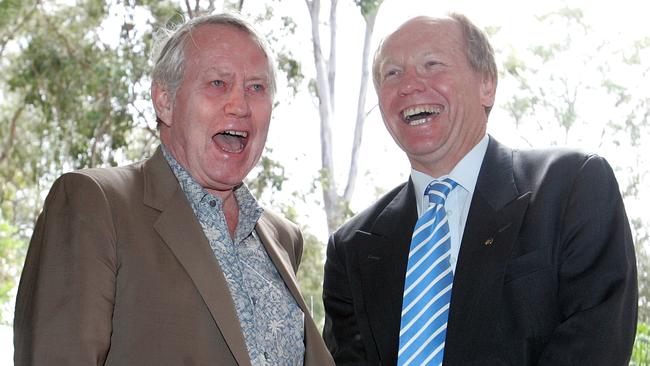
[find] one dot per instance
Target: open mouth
(231, 141)
(420, 114)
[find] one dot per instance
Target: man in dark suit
(171, 261)
(535, 245)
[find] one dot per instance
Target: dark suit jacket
(119, 272)
(546, 273)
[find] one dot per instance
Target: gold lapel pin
(489, 241)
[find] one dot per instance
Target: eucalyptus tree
(337, 204)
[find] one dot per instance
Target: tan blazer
(119, 272)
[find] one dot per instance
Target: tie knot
(439, 189)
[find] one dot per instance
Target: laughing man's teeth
(418, 115)
(236, 133)
(417, 122)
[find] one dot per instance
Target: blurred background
(74, 93)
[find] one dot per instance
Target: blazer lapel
(180, 230)
(315, 351)
(280, 259)
(493, 223)
(382, 254)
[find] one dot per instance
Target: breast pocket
(527, 264)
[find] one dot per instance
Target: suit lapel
(382, 256)
(179, 229)
(280, 259)
(315, 351)
(493, 223)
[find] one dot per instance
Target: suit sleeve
(341, 330)
(597, 275)
(66, 294)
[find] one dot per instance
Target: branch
(361, 105)
(102, 127)
(12, 133)
(189, 9)
(66, 43)
(197, 8)
(331, 62)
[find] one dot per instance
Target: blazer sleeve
(597, 275)
(341, 330)
(66, 294)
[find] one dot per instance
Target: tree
(71, 93)
(337, 205)
(11, 254)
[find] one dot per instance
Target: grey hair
(478, 50)
(169, 49)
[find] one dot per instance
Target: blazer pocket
(526, 264)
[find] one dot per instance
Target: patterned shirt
(270, 318)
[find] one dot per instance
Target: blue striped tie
(427, 286)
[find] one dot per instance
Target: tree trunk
(336, 205)
(361, 105)
(331, 63)
(330, 197)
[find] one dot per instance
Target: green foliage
(9, 11)
(641, 351)
(639, 46)
(293, 71)
(368, 7)
(268, 174)
(11, 254)
(69, 100)
(310, 277)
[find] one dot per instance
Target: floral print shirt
(272, 322)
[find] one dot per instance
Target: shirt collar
(465, 173)
(249, 209)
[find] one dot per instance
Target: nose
(410, 84)
(237, 103)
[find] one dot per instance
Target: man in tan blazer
(171, 261)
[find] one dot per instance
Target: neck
(230, 209)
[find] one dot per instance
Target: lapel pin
(489, 242)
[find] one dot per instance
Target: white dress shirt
(465, 173)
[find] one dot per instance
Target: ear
(162, 103)
(488, 91)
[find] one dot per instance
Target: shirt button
(213, 203)
(254, 298)
(266, 355)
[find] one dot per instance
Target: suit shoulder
(92, 184)
(557, 171)
(110, 175)
(280, 223)
(564, 162)
(366, 218)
